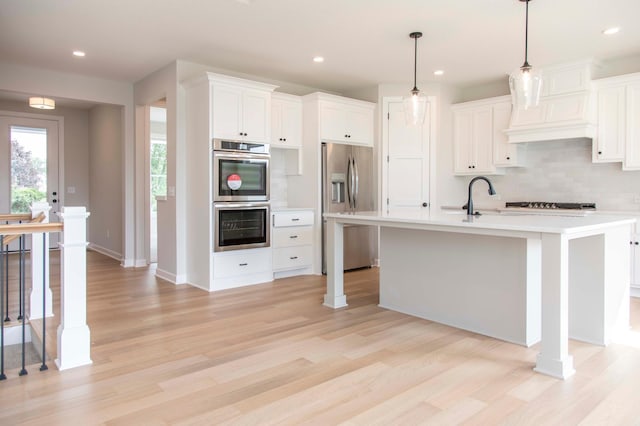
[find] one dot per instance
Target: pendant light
(415, 105)
(525, 83)
(41, 103)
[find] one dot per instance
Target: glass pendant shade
(525, 85)
(415, 108)
(41, 103)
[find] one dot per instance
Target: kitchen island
(518, 278)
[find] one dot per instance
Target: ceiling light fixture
(41, 103)
(611, 31)
(525, 83)
(79, 53)
(318, 59)
(415, 105)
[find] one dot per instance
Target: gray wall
(105, 179)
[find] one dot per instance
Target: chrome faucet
(470, 199)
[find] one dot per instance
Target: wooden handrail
(15, 217)
(33, 227)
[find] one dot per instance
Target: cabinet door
(635, 260)
(333, 122)
(227, 112)
(632, 146)
(611, 125)
(360, 126)
(256, 115)
(276, 122)
(291, 124)
(504, 153)
(462, 141)
(482, 141)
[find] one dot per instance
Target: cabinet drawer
(292, 236)
(244, 262)
(291, 257)
(292, 218)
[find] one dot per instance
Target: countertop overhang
(485, 223)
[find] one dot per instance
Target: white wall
(105, 179)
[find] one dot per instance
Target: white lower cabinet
(292, 242)
(241, 267)
(635, 262)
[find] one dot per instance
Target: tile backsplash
(563, 171)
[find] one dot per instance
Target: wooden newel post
(40, 267)
(74, 339)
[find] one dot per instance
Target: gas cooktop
(550, 205)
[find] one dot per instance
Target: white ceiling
(364, 42)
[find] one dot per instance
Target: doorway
(29, 165)
(157, 166)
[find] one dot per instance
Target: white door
(29, 166)
(407, 161)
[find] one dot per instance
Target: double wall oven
(240, 195)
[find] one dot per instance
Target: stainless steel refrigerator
(348, 186)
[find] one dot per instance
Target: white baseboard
(635, 292)
(141, 263)
(292, 273)
(167, 276)
(107, 252)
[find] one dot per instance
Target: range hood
(567, 108)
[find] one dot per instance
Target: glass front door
(29, 166)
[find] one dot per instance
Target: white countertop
(496, 221)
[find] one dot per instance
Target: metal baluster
(21, 302)
(20, 277)
(44, 298)
(2, 256)
(6, 282)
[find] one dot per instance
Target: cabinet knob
(468, 167)
(473, 167)
(599, 152)
(508, 158)
(284, 139)
(636, 243)
(425, 204)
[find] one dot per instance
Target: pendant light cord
(526, 34)
(415, 65)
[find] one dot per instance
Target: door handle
(356, 184)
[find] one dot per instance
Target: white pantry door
(29, 166)
(407, 160)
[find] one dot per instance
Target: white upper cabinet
(505, 154)
(286, 120)
(618, 124)
(632, 140)
(240, 109)
(480, 143)
(345, 120)
(610, 141)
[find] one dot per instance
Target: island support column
(554, 358)
(335, 297)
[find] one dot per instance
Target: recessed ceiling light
(438, 72)
(318, 59)
(79, 53)
(610, 31)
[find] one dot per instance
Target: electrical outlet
(636, 198)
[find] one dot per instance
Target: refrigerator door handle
(356, 186)
(349, 187)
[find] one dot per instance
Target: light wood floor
(271, 354)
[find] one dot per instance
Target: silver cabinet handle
(293, 236)
(243, 264)
(293, 257)
(295, 219)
